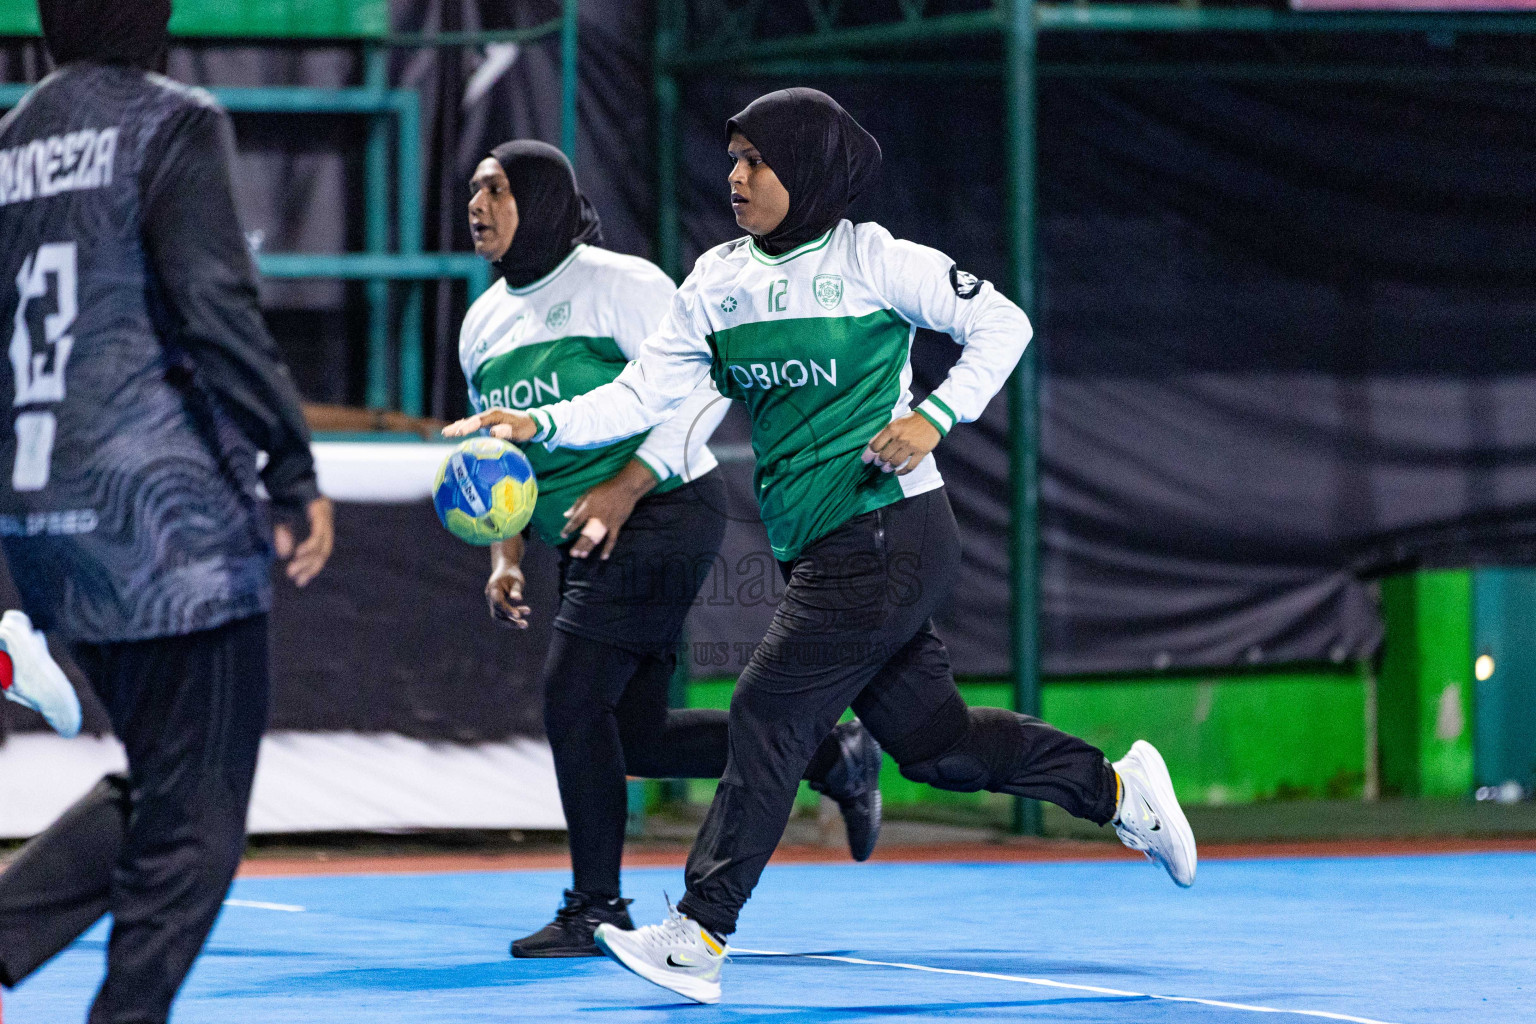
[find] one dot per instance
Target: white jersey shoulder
(593, 293)
(621, 269)
(737, 283)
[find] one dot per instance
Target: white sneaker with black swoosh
(36, 681)
(676, 954)
(1149, 818)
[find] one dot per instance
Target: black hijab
(553, 217)
(819, 152)
(131, 32)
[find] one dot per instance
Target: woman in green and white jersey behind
(637, 522)
(809, 323)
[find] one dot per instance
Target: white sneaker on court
(1149, 818)
(37, 682)
(676, 954)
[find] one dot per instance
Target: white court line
(1047, 983)
(258, 905)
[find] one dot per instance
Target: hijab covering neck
(553, 217)
(823, 157)
(130, 32)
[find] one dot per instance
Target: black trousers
(156, 849)
(853, 630)
(608, 674)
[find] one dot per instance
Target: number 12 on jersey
(39, 370)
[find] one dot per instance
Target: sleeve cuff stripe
(937, 412)
(546, 425)
(939, 402)
(943, 432)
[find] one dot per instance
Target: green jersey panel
(815, 343)
(548, 372)
(817, 390)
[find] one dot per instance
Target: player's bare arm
(504, 589)
(601, 513)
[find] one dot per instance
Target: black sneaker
(854, 782)
(570, 933)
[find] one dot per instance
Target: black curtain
(1284, 326)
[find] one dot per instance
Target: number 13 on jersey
(39, 370)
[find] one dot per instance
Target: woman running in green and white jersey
(809, 322)
(565, 319)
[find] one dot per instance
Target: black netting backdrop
(1285, 332)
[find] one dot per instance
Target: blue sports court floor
(1410, 940)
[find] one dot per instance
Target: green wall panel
(281, 18)
(291, 19)
(1228, 738)
(1504, 618)
(19, 18)
(1426, 685)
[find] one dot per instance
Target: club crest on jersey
(728, 304)
(965, 285)
(828, 289)
(558, 317)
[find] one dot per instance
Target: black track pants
(610, 665)
(156, 849)
(606, 714)
(608, 672)
(605, 710)
(853, 630)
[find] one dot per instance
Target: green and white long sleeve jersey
(816, 343)
(566, 334)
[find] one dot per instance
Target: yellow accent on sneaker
(709, 941)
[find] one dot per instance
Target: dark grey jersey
(142, 381)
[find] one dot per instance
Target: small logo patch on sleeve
(965, 285)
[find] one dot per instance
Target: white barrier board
(315, 782)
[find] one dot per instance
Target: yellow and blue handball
(485, 491)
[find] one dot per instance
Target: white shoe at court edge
(37, 682)
(676, 954)
(1149, 818)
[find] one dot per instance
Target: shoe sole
(34, 669)
(871, 768)
(555, 954)
(684, 985)
(876, 812)
(1168, 808)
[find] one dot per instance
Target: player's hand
(901, 447)
(504, 595)
(507, 424)
(305, 562)
(602, 512)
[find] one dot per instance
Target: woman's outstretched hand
(507, 424)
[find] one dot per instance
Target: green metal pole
(669, 28)
(407, 107)
(376, 226)
(1023, 392)
(473, 37)
(668, 41)
(880, 37)
(568, 81)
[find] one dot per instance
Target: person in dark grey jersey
(143, 385)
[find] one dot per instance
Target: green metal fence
(715, 37)
(392, 230)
